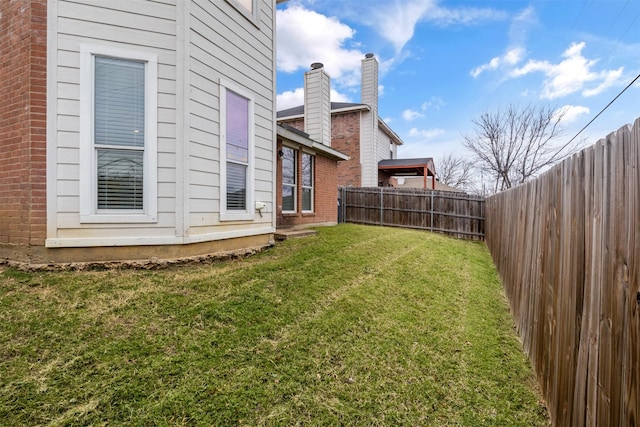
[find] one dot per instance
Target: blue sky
(444, 63)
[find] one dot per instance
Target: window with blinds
(119, 133)
(307, 182)
(289, 173)
(237, 150)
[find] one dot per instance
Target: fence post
(342, 202)
(381, 206)
(431, 227)
(339, 207)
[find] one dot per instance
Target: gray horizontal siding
(147, 26)
(225, 45)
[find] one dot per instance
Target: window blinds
(237, 148)
(119, 120)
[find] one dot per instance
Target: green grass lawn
(356, 326)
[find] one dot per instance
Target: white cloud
(293, 98)
(410, 115)
(513, 56)
(305, 36)
(290, 98)
(521, 25)
(610, 78)
(464, 16)
(510, 58)
(573, 73)
(570, 75)
(515, 52)
(339, 97)
(425, 134)
(396, 21)
(571, 113)
(434, 103)
(491, 65)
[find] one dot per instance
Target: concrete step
(281, 235)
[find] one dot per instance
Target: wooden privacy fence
(567, 247)
(456, 214)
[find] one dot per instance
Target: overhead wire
(579, 16)
(608, 55)
(616, 18)
(603, 110)
(615, 46)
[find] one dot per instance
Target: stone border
(146, 264)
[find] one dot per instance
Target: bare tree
(515, 144)
(455, 171)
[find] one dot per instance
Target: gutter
(310, 143)
(394, 136)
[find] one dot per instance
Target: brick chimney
(369, 122)
(317, 104)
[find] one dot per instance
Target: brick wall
(385, 180)
(326, 185)
(23, 54)
(345, 137)
(294, 123)
(325, 202)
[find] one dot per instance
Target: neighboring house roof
(302, 138)
(444, 187)
(406, 166)
(339, 107)
(418, 182)
(336, 107)
(421, 167)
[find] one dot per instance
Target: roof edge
(358, 107)
(310, 143)
(394, 136)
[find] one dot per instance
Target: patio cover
(409, 167)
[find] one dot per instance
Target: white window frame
(295, 180)
(251, 15)
(249, 213)
(89, 212)
(309, 187)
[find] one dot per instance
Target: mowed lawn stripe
(356, 326)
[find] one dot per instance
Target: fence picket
(457, 214)
(566, 248)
